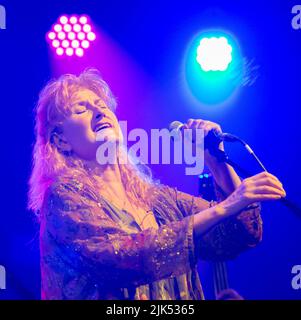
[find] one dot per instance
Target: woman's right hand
(261, 187)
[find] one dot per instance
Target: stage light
(65, 43)
(79, 52)
(87, 28)
(69, 33)
(63, 19)
(60, 51)
(51, 35)
(213, 67)
(85, 44)
(57, 28)
(81, 36)
(67, 27)
(61, 35)
(71, 36)
(69, 51)
(75, 43)
(91, 36)
(83, 20)
(73, 20)
(55, 43)
(77, 27)
(214, 54)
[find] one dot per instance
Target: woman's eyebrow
(79, 102)
(101, 103)
(97, 101)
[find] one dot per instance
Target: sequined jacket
(90, 249)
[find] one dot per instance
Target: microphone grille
(175, 125)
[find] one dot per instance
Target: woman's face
(90, 117)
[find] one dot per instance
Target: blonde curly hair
(49, 163)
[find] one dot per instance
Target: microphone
(212, 137)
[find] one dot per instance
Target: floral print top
(90, 249)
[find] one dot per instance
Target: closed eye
(80, 112)
(79, 109)
(82, 106)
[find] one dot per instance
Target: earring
(56, 133)
(67, 153)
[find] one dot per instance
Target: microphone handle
(213, 138)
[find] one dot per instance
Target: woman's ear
(58, 139)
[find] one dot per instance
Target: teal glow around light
(213, 67)
(214, 54)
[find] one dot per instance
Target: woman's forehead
(83, 95)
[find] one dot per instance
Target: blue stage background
(153, 36)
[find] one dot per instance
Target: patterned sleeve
(95, 243)
(227, 239)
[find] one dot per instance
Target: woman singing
(110, 231)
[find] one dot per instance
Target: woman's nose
(99, 115)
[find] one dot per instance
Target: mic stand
(223, 157)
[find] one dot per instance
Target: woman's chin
(109, 136)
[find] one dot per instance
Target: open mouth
(102, 126)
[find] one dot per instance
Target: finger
(189, 123)
(184, 126)
(195, 123)
(263, 177)
(274, 178)
(265, 182)
(185, 132)
(269, 182)
(211, 126)
(269, 190)
(198, 124)
(266, 174)
(265, 197)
